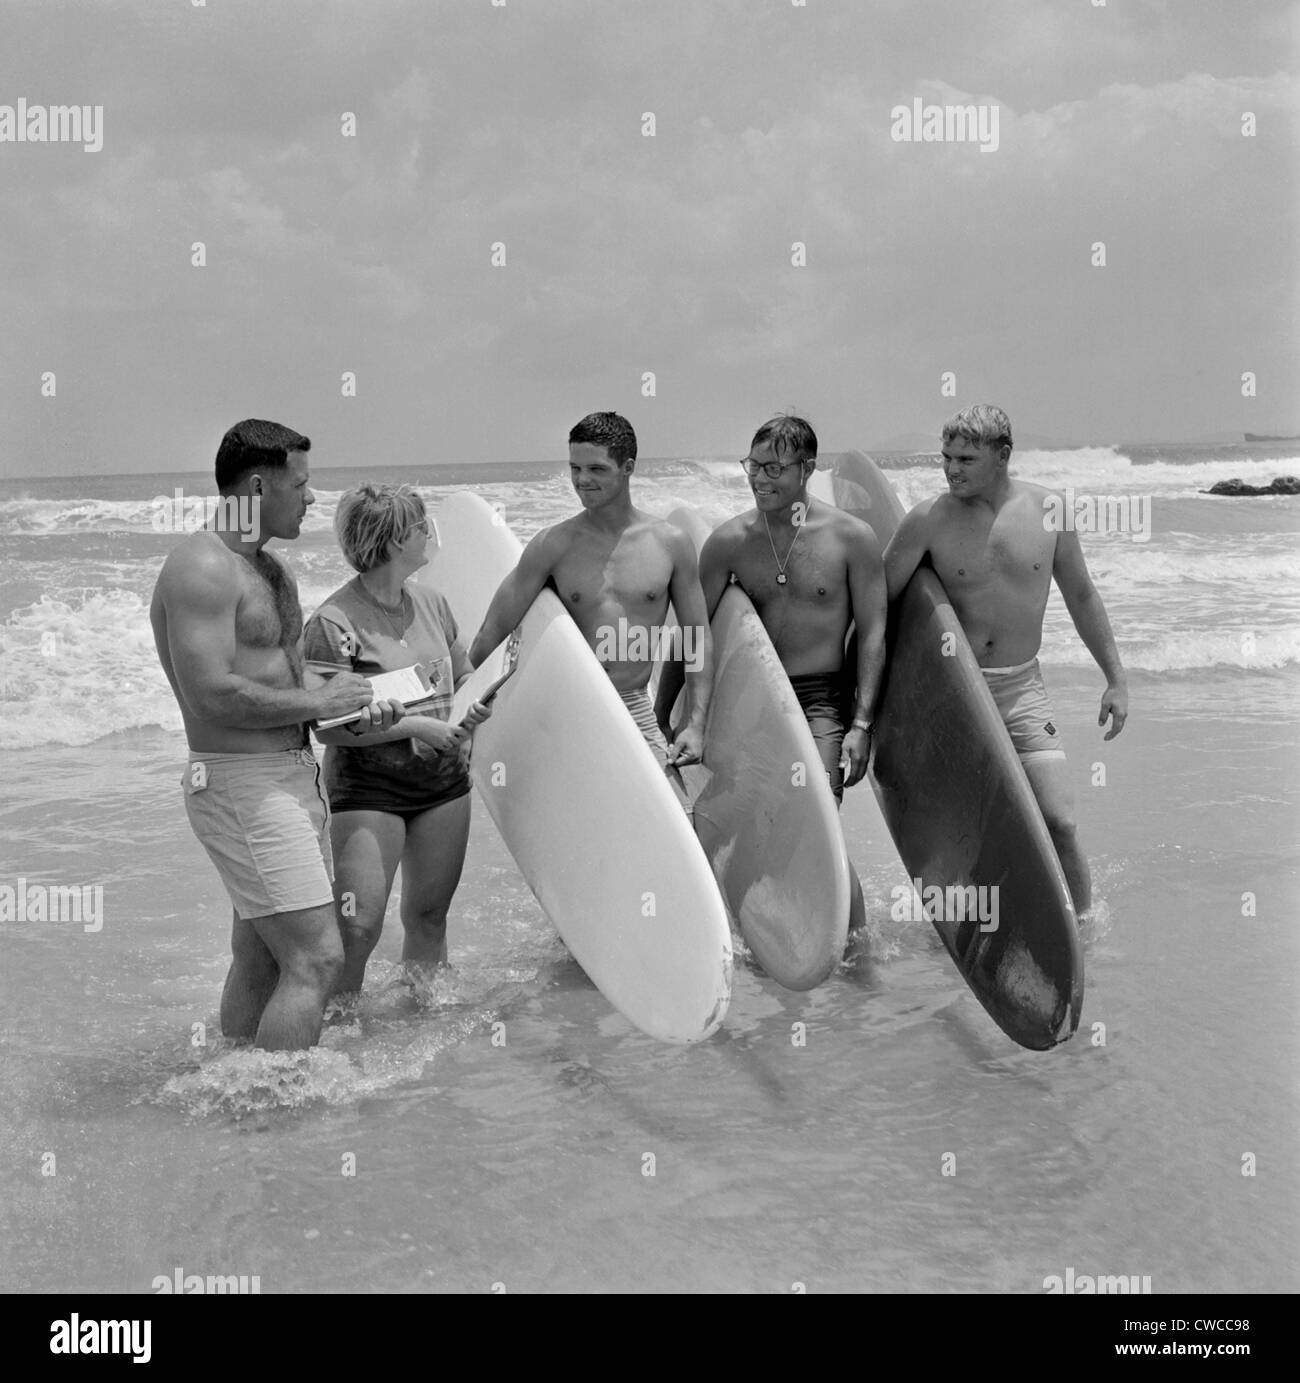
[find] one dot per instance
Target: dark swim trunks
(403, 777)
(821, 698)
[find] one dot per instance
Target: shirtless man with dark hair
(227, 625)
(615, 569)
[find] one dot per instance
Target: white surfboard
(764, 811)
(581, 803)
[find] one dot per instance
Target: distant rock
(1283, 485)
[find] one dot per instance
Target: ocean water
(502, 1125)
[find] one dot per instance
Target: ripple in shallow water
(400, 1025)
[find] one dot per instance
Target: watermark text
(24, 124)
(948, 903)
(184, 513)
(922, 124)
(640, 643)
(1085, 513)
(24, 902)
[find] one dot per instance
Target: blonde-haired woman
(399, 796)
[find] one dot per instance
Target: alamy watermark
(916, 902)
(214, 1284)
(24, 902)
(922, 124)
(1101, 1285)
(1087, 513)
(24, 124)
(75, 1336)
(640, 643)
(184, 513)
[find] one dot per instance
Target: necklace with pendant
(781, 577)
(398, 631)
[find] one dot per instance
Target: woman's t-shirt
(352, 633)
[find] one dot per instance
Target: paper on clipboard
(409, 685)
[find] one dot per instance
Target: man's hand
(475, 715)
(688, 747)
(1114, 703)
(344, 693)
(378, 716)
(856, 749)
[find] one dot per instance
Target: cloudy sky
(522, 123)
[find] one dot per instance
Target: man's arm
(697, 645)
(201, 602)
(1089, 616)
(390, 716)
(715, 568)
(715, 577)
(515, 594)
(907, 549)
(867, 595)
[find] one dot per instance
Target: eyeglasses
(771, 469)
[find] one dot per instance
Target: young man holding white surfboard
(810, 570)
(615, 568)
(994, 547)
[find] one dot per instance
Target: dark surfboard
(957, 802)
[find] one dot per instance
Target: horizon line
(708, 456)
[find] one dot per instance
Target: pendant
(402, 642)
(780, 578)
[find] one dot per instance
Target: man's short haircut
(608, 430)
(372, 516)
(789, 436)
(255, 445)
(981, 423)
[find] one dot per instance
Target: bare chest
(634, 573)
(802, 569)
(1009, 549)
(269, 615)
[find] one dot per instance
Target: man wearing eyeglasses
(811, 570)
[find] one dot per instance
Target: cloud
(672, 253)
